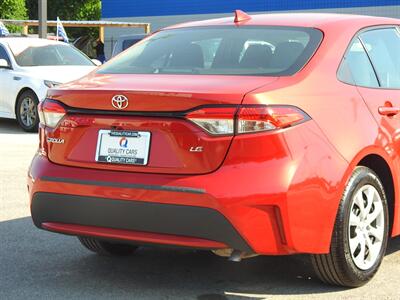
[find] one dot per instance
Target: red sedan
(267, 134)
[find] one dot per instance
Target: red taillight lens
(221, 120)
(215, 120)
(265, 118)
(50, 113)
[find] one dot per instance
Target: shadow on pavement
(47, 265)
(9, 126)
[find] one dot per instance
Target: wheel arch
(331, 267)
(379, 165)
(22, 90)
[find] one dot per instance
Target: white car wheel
(366, 227)
(26, 111)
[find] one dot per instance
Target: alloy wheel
(28, 112)
(366, 227)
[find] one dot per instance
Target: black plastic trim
(124, 185)
(162, 114)
(181, 220)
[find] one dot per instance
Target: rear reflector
(50, 113)
(214, 120)
(221, 121)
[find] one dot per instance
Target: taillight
(214, 120)
(50, 113)
(246, 118)
(265, 118)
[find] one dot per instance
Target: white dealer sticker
(123, 147)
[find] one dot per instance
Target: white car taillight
(248, 118)
(214, 120)
(50, 113)
(265, 118)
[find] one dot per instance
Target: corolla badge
(55, 140)
(119, 101)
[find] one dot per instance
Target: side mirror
(4, 64)
(96, 62)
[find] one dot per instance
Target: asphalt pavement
(35, 264)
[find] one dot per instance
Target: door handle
(388, 111)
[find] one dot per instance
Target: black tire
(338, 267)
(107, 248)
(26, 125)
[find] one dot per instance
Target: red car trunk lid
(156, 103)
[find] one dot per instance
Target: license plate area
(123, 147)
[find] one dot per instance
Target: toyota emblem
(119, 101)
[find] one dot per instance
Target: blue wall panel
(140, 8)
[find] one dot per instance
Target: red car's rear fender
(376, 158)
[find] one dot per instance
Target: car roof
(316, 20)
(29, 40)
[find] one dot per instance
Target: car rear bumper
(136, 218)
(273, 195)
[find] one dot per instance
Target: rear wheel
(26, 111)
(360, 235)
(107, 248)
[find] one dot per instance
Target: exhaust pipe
(233, 254)
(236, 256)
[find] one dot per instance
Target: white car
(28, 67)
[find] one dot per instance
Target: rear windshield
(227, 50)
